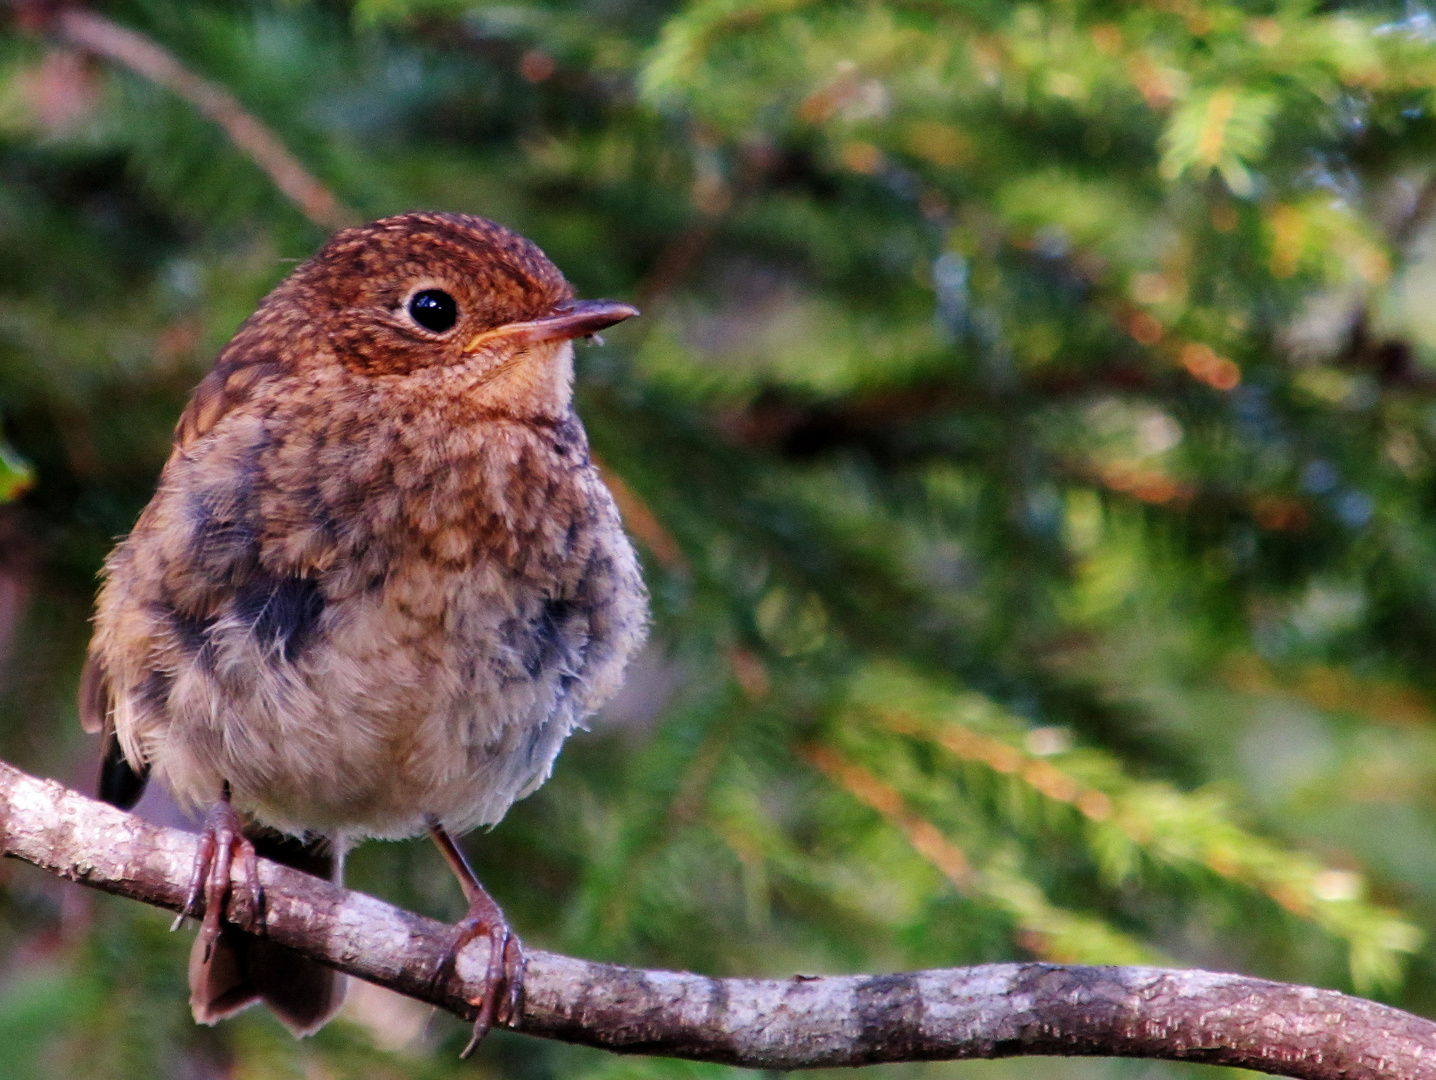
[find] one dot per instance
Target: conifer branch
(93, 33)
(997, 1010)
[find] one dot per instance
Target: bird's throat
(535, 382)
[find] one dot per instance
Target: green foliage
(1030, 435)
(15, 473)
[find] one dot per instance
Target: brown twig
(997, 1010)
(96, 34)
(674, 261)
(642, 522)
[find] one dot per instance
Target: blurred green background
(1030, 439)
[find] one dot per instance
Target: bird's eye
(434, 309)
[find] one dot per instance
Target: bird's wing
(228, 384)
(94, 696)
(120, 784)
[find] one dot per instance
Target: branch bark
(998, 1010)
(95, 34)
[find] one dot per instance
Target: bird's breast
(358, 627)
(417, 488)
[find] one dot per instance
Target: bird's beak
(575, 319)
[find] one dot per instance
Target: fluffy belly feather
(438, 693)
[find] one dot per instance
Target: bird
(380, 581)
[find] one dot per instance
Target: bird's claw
(222, 843)
(503, 983)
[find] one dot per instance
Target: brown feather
(119, 783)
(381, 580)
(94, 696)
(243, 970)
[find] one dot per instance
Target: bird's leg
(504, 980)
(222, 843)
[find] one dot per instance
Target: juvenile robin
(380, 583)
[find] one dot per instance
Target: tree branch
(96, 34)
(998, 1010)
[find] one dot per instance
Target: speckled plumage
(381, 580)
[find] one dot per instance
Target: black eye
(434, 309)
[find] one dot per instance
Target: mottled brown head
(456, 301)
(426, 289)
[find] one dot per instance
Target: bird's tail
(243, 969)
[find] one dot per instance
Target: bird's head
(454, 296)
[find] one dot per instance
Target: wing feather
(120, 783)
(94, 700)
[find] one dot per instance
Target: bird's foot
(503, 983)
(222, 843)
